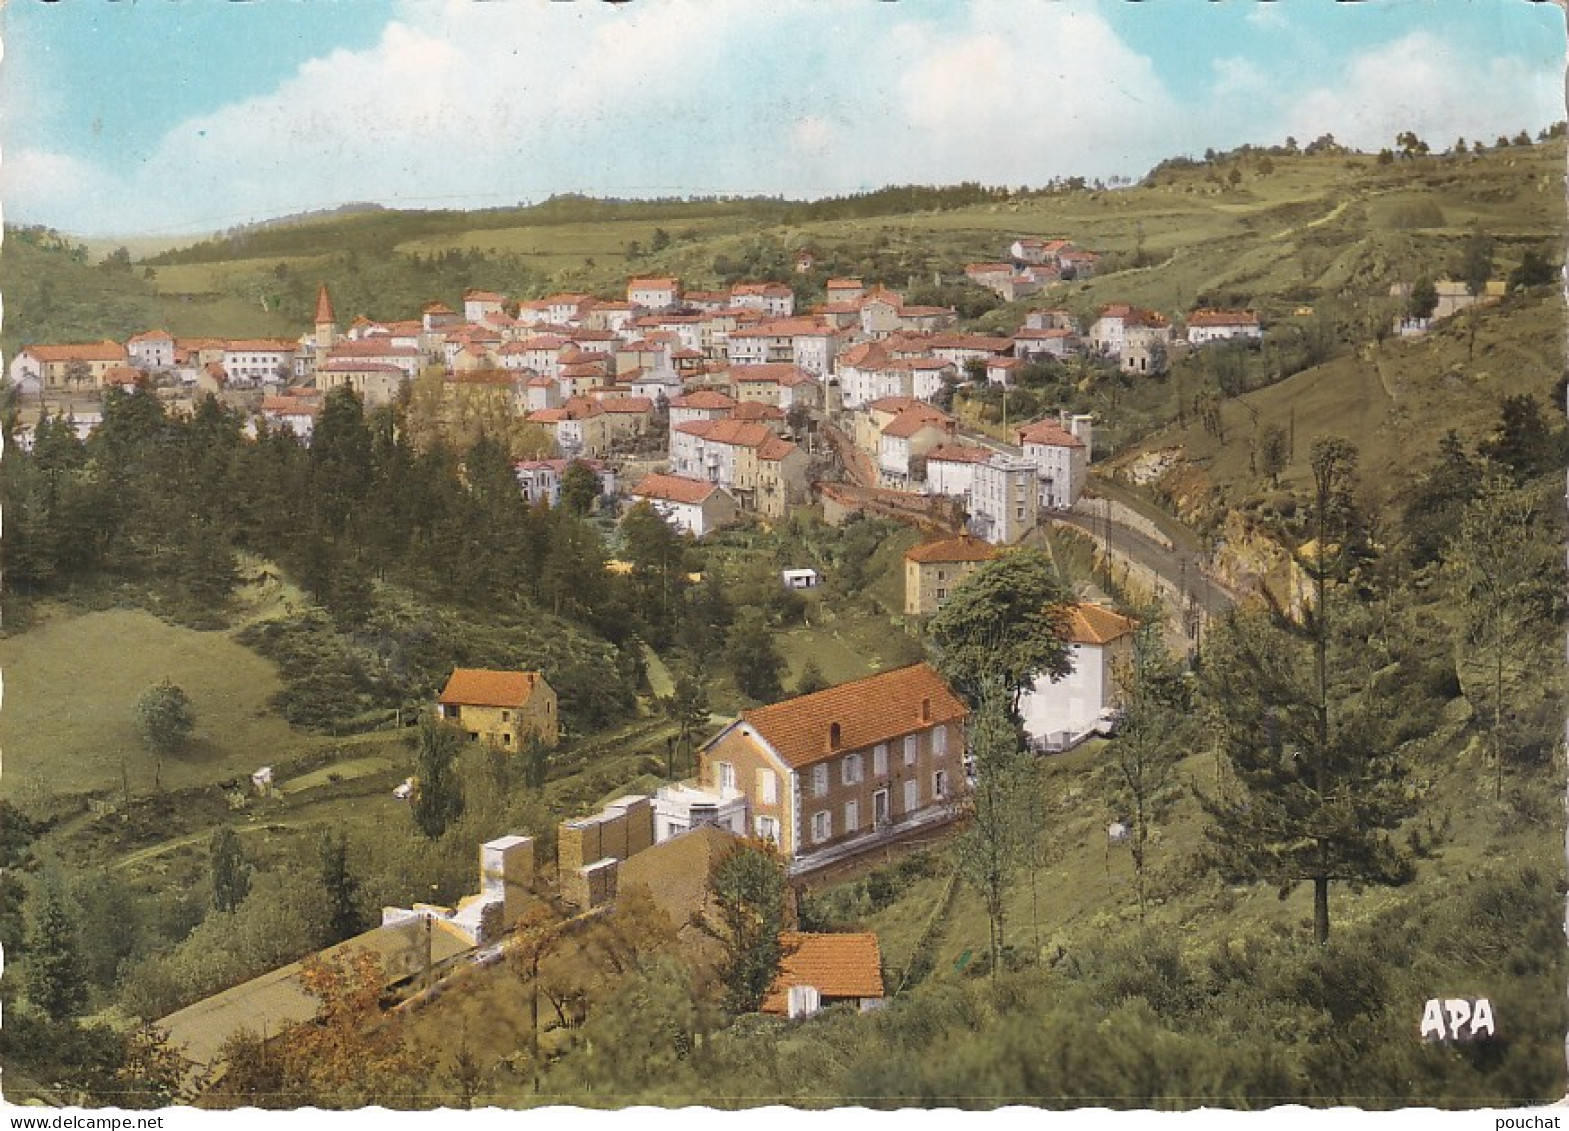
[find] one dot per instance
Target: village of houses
(729, 404)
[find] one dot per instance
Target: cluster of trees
(378, 533)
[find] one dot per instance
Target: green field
(71, 686)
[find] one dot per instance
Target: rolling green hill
(1292, 231)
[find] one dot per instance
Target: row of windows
(852, 766)
(823, 819)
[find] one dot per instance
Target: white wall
(1072, 704)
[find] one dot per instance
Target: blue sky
(174, 116)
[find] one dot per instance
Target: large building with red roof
(836, 772)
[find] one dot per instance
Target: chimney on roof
(926, 709)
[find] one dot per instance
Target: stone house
(500, 708)
(933, 570)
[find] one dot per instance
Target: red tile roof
(876, 709)
(1223, 318)
(774, 449)
(757, 410)
(629, 405)
(123, 375)
(82, 351)
(911, 421)
(1048, 432)
(837, 966)
(964, 548)
(1095, 624)
(704, 399)
(674, 488)
(958, 453)
(479, 687)
(371, 347)
(261, 345)
(290, 406)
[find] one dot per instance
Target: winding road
(1181, 564)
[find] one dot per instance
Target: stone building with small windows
(502, 709)
(838, 771)
(933, 570)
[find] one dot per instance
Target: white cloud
(1427, 84)
(467, 104)
(39, 183)
(1237, 77)
(1271, 16)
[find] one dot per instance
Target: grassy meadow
(71, 685)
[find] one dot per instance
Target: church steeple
(326, 320)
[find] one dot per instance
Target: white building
(1205, 326)
(152, 351)
(1059, 450)
(255, 361)
(680, 807)
(774, 299)
(654, 293)
(478, 306)
(692, 506)
(950, 469)
(1004, 500)
(1057, 715)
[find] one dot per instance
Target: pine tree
(1304, 722)
(341, 888)
(56, 979)
(438, 797)
(231, 876)
(1505, 576)
(1151, 740)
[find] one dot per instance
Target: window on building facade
(726, 772)
(940, 784)
(822, 825)
(768, 829)
(767, 786)
(912, 747)
(912, 795)
(852, 816)
(820, 779)
(880, 759)
(850, 769)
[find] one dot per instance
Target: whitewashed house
(692, 506)
(1058, 715)
(1059, 450)
(1205, 326)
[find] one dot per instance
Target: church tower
(326, 322)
